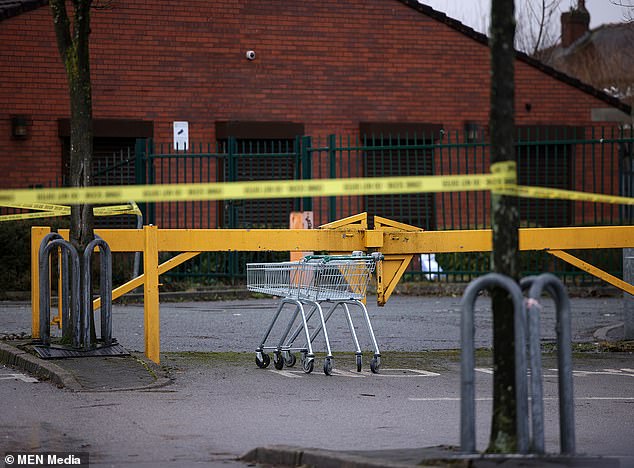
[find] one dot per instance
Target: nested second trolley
(335, 281)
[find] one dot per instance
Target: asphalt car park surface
(220, 404)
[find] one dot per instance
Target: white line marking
(398, 373)
(407, 373)
(444, 399)
(22, 377)
(600, 398)
(345, 373)
(575, 373)
(580, 373)
(289, 374)
(546, 398)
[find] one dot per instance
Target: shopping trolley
(339, 281)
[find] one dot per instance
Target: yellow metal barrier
(398, 242)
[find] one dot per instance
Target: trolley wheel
(264, 362)
(359, 362)
(308, 365)
(375, 364)
(278, 360)
(290, 360)
(328, 366)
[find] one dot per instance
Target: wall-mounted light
(471, 131)
(20, 127)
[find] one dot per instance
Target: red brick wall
(327, 64)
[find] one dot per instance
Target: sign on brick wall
(181, 135)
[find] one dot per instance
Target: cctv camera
(250, 55)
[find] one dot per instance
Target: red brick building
(319, 68)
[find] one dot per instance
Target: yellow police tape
(504, 175)
(501, 180)
(50, 210)
(560, 194)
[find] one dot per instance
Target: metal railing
(587, 159)
(598, 160)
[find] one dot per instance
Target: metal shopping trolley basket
(340, 281)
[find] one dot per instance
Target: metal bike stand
(70, 308)
(105, 291)
(554, 287)
(467, 360)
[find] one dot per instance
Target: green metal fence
(598, 160)
(587, 159)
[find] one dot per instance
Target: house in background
(255, 76)
(601, 57)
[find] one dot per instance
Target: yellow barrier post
(398, 242)
(37, 234)
(151, 313)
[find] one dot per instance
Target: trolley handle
(375, 256)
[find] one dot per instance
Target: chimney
(574, 23)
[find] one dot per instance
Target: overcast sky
(474, 13)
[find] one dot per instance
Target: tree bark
(73, 45)
(504, 224)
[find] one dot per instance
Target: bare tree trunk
(73, 45)
(505, 224)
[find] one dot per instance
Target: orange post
(300, 220)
